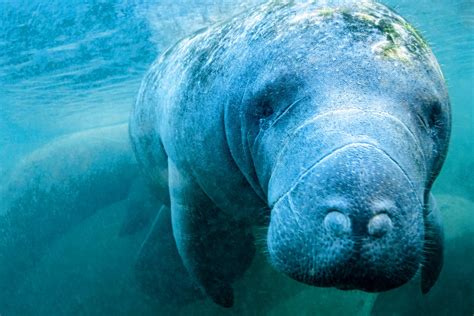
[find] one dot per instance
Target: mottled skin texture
(330, 120)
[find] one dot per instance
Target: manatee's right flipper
(159, 268)
(215, 247)
(433, 248)
(142, 208)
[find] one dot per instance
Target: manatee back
(55, 188)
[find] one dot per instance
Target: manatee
(56, 187)
(327, 123)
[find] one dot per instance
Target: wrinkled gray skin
(333, 121)
(53, 189)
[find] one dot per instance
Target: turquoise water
(69, 67)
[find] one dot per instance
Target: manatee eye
(265, 107)
(435, 114)
(274, 99)
(266, 110)
(431, 116)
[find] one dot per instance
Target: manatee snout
(351, 221)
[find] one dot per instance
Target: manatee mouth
(352, 220)
(351, 276)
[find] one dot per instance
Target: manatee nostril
(337, 222)
(379, 225)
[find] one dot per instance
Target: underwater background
(68, 67)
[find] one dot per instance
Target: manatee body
(55, 188)
(326, 122)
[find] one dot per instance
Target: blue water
(73, 66)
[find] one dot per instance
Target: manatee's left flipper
(433, 248)
(159, 269)
(216, 248)
(142, 208)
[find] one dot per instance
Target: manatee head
(351, 220)
(347, 123)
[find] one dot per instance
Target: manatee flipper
(159, 268)
(142, 207)
(216, 248)
(433, 248)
